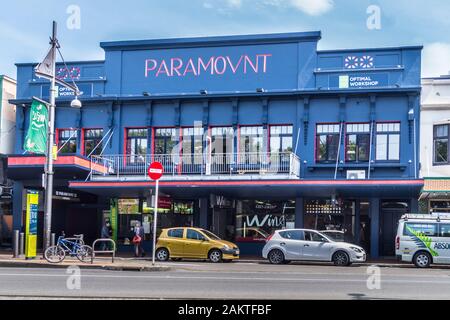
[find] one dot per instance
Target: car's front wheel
(162, 255)
(276, 257)
(341, 259)
(422, 260)
(215, 256)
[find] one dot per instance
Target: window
(388, 142)
(222, 139)
(176, 233)
(445, 230)
(413, 229)
(440, 206)
(281, 142)
(357, 143)
(314, 237)
(137, 142)
(67, 141)
(327, 142)
(251, 144)
(256, 220)
(441, 144)
(93, 142)
(194, 235)
(165, 140)
(192, 145)
(183, 207)
(293, 235)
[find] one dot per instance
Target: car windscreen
(211, 235)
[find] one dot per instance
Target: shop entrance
(391, 212)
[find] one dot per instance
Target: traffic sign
(155, 171)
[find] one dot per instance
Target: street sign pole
(155, 222)
(155, 172)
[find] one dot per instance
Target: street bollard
(22, 244)
(53, 242)
(16, 243)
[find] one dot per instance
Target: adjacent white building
(7, 115)
(7, 140)
(435, 144)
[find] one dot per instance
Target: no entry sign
(155, 171)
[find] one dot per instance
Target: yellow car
(194, 243)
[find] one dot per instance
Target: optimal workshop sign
(31, 224)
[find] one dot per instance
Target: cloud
(436, 60)
(234, 3)
(310, 7)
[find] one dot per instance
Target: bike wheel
(84, 253)
(55, 254)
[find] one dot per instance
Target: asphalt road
(228, 281)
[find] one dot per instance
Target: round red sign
(155, 171)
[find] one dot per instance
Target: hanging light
(76, 103)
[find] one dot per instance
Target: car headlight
(226, 247)
(357, 250)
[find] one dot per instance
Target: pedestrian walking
(138, 240)
(106, 233)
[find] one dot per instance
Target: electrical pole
(49, 170)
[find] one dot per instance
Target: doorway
(391, 212)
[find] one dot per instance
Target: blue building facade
(256, 133)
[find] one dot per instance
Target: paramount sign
(198, 66)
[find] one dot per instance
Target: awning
(28, 167)
(276, 189)
(436, 188)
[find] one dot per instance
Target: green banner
(113, 218)
(36, 139)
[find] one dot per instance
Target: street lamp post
(49, 169)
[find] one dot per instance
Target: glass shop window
(256, 220)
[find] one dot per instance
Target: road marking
(330, 280)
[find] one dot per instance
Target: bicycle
(74, 247)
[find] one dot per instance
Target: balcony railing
(261, 164)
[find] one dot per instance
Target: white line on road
(329, 280)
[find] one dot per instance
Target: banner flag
(45, 68)
(36, 139)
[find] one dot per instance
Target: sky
(25, 25)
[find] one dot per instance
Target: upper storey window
(388, 141)
(441, 144)
(327, 142)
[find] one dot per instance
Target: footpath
(126, 262)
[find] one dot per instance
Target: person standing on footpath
(138, 240)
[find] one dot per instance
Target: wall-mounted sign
(86, 90)
(359, 81)
(221, 202)
(66, 196)
(196, 66)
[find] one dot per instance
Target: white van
(424, 239)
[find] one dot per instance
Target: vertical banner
(113, 218)
(36, 139)
(31, 224)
